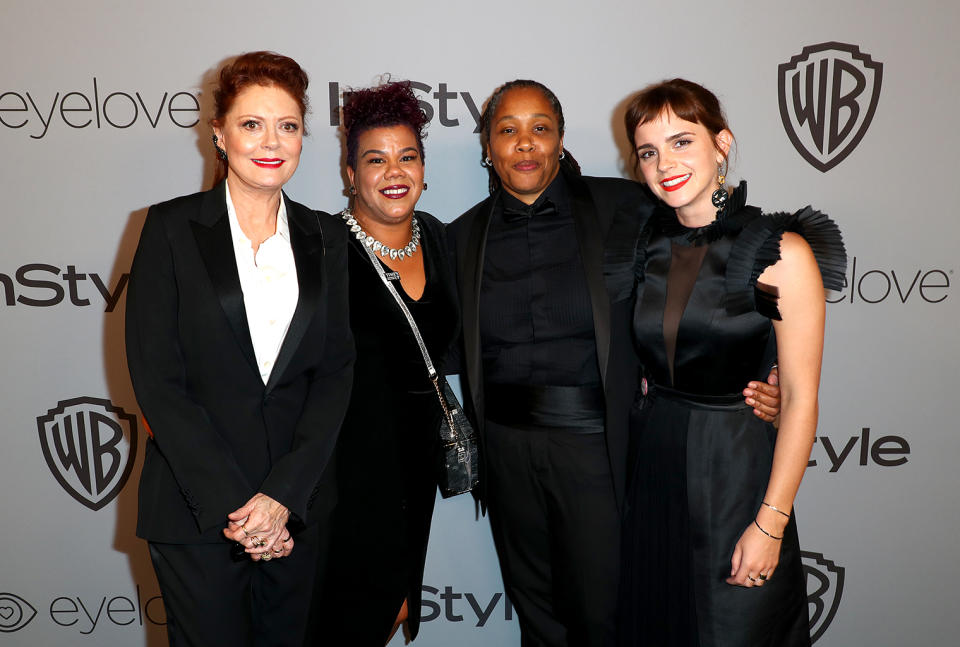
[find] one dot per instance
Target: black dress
(386, 453)
(700, 460)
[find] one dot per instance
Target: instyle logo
(868, 284)
(885, 451)
(15, 613)
(41, 285)
(828, 95)
(448, 111)
(96, 106)
(824, 590)
(453, 610)
(90, 446)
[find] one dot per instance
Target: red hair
(268, 69)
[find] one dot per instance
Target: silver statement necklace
(376, 245)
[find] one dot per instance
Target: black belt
(698, 400)
(579, 409)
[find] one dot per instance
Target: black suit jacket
(608, 215)
(219, 434)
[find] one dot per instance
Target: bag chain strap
(431, 371)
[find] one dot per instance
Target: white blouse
(269, 283)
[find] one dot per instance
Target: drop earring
(353, 190)
(222, 154)
(424, 186)
(720, 196)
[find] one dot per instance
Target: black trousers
(557, 533)
(212, 600)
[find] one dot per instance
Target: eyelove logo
(96, 107)
(90, 446)
(828, 95)
(15, 612)
(824, 590)
(871, 284)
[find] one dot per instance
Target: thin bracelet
(776, 509)
(765, 532)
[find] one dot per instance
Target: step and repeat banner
(850, 107)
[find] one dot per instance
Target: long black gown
(386, 454)
(700, 458)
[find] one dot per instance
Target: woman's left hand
(259, 524)
(755, 558)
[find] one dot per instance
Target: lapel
(472, 249)
(306, 240)
(211, 230)
(590, 240)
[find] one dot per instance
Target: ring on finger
(254, 541)
(278, 551)
(265, 557)
(751, 578)
(244, 529)
(762, 576)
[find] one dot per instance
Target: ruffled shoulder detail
(758, 247)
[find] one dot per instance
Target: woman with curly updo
(386, 454)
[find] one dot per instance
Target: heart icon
(6, 612)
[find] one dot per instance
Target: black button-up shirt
(536, 320)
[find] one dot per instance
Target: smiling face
(680, 160)
(262, 134)
(388, 176)
(525, 143)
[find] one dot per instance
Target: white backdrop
(97, 105)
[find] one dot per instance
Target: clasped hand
(260, 525)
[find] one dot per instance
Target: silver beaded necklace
(376, 245)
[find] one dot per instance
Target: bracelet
(776, 509)
(765, 532)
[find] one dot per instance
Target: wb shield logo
(828, 94)
(824, 589)
(90, 446)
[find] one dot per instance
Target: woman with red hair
(240, 353)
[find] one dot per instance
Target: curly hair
(257, 68)
(390, 104)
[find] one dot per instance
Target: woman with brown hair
(240, 353)
(710, 549)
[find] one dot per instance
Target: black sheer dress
(387, 450)
(700, 459)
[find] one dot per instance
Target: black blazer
(608, 215)
(219, 434)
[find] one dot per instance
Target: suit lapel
(590, 240)
(211, 230)
(472, 252)
(306, 241)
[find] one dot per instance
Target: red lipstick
(268, 162)
(675, 182)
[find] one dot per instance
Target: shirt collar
(556, 192)
(283, 227)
